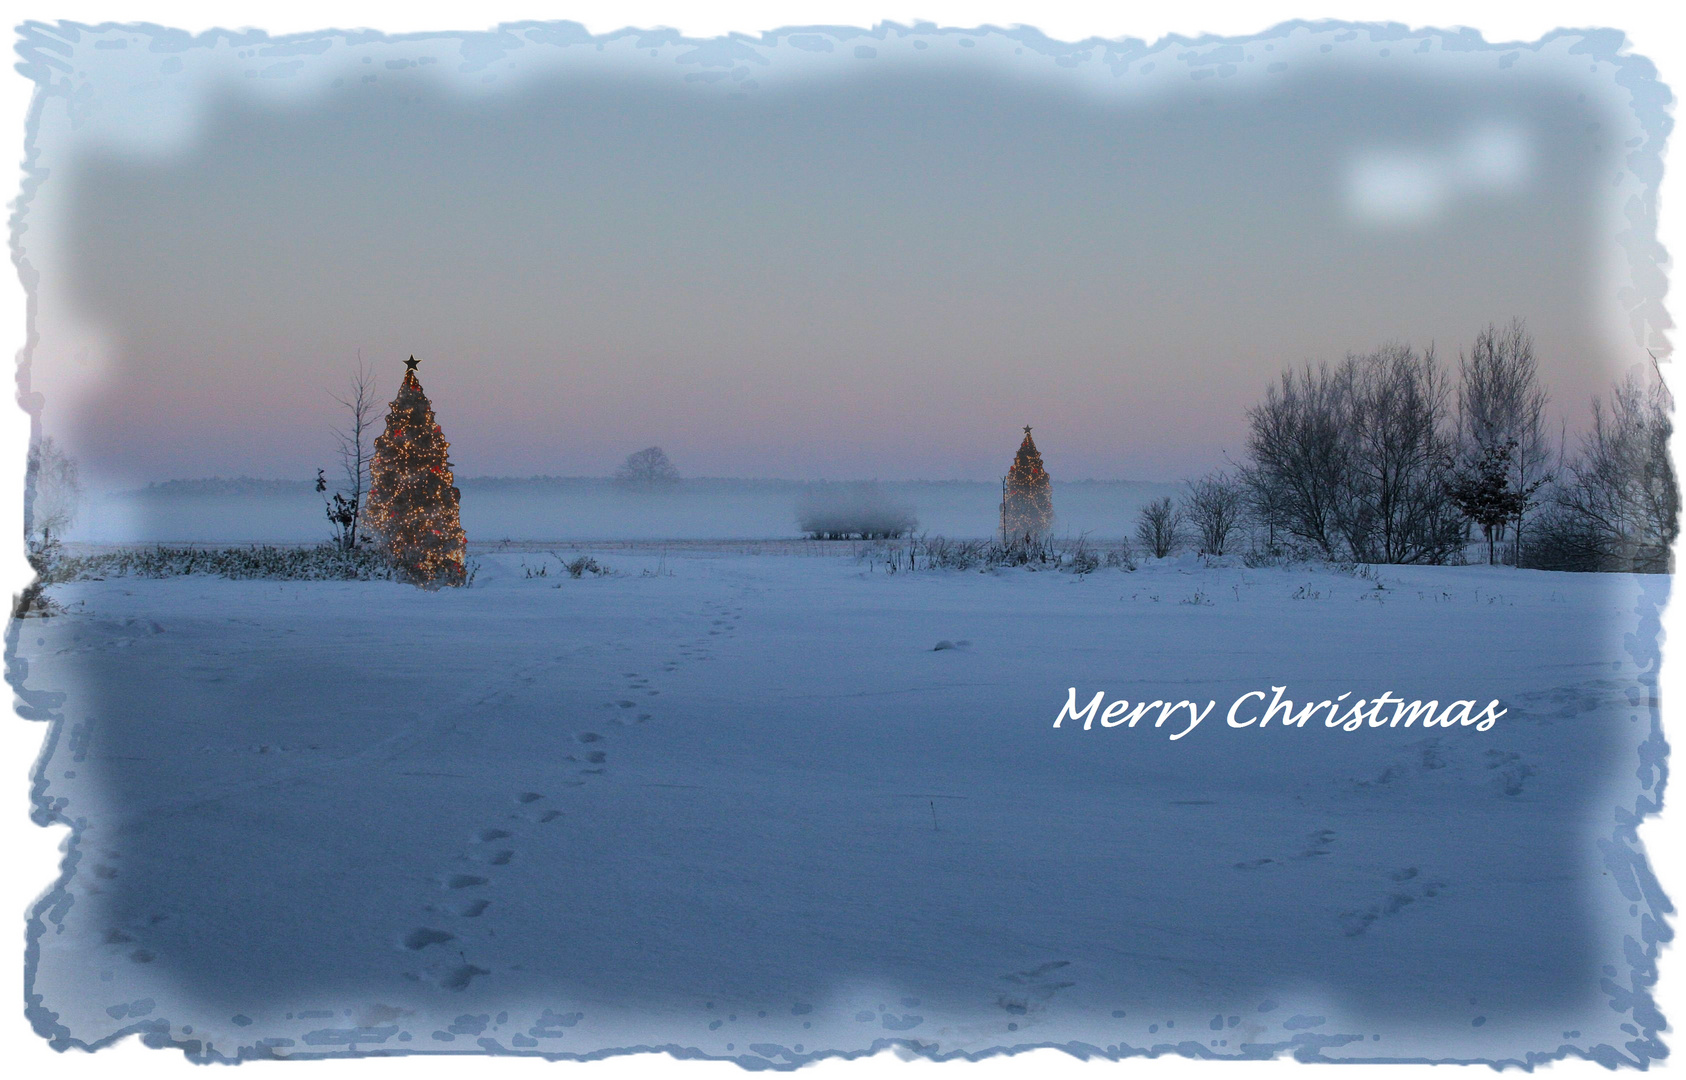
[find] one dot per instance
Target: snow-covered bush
(1082, 558)
(1119, 558)
(856, 511)
(326, 562)
(53, 488)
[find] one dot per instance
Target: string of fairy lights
(413, 500)
(1027, 500)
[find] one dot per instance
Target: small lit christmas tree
(1027, 502)
(412, 502)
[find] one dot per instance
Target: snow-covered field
(744, 807)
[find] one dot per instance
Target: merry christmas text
(1259, 709)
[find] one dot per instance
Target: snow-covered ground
(744, 807)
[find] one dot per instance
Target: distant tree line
(1390, 457)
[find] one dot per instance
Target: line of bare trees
(1394, 457)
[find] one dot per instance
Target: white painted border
(1655, 29)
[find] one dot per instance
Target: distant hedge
(323, 563)
(859, 511)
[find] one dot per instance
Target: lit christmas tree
(412, 503)
(1027, 502)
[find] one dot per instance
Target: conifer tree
(1027, 502)
(412, 501)
(1485, 493)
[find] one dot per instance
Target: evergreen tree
(1027, 502)
(412, 502)
(1485, 494)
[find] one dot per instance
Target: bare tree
(52, 489)
(1214, 506)
(1395, 506)
(1266, 505)
(1354, 460)
(355, 448)
(1618, 506)
(1500, 400)
(1159, 527)
(647, 468)
(1298, 454)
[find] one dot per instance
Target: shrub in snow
(858, 511)
(1119, 558)
(584, 565)
(1082, 559)
(1213, 506)
(1159, 527)
(944, 554)
(940, 553)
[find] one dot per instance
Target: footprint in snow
(423, 936)
(1355, 923)
(1039, 985)
(1316, 844)
(459, 977)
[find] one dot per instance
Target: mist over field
(583, 508)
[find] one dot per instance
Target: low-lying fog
(583, 508)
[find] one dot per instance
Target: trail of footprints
(1406, 885)
(1315, 845)
(441, 943)
(444, 952)
(1407, 888)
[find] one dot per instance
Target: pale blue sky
(825, 255)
